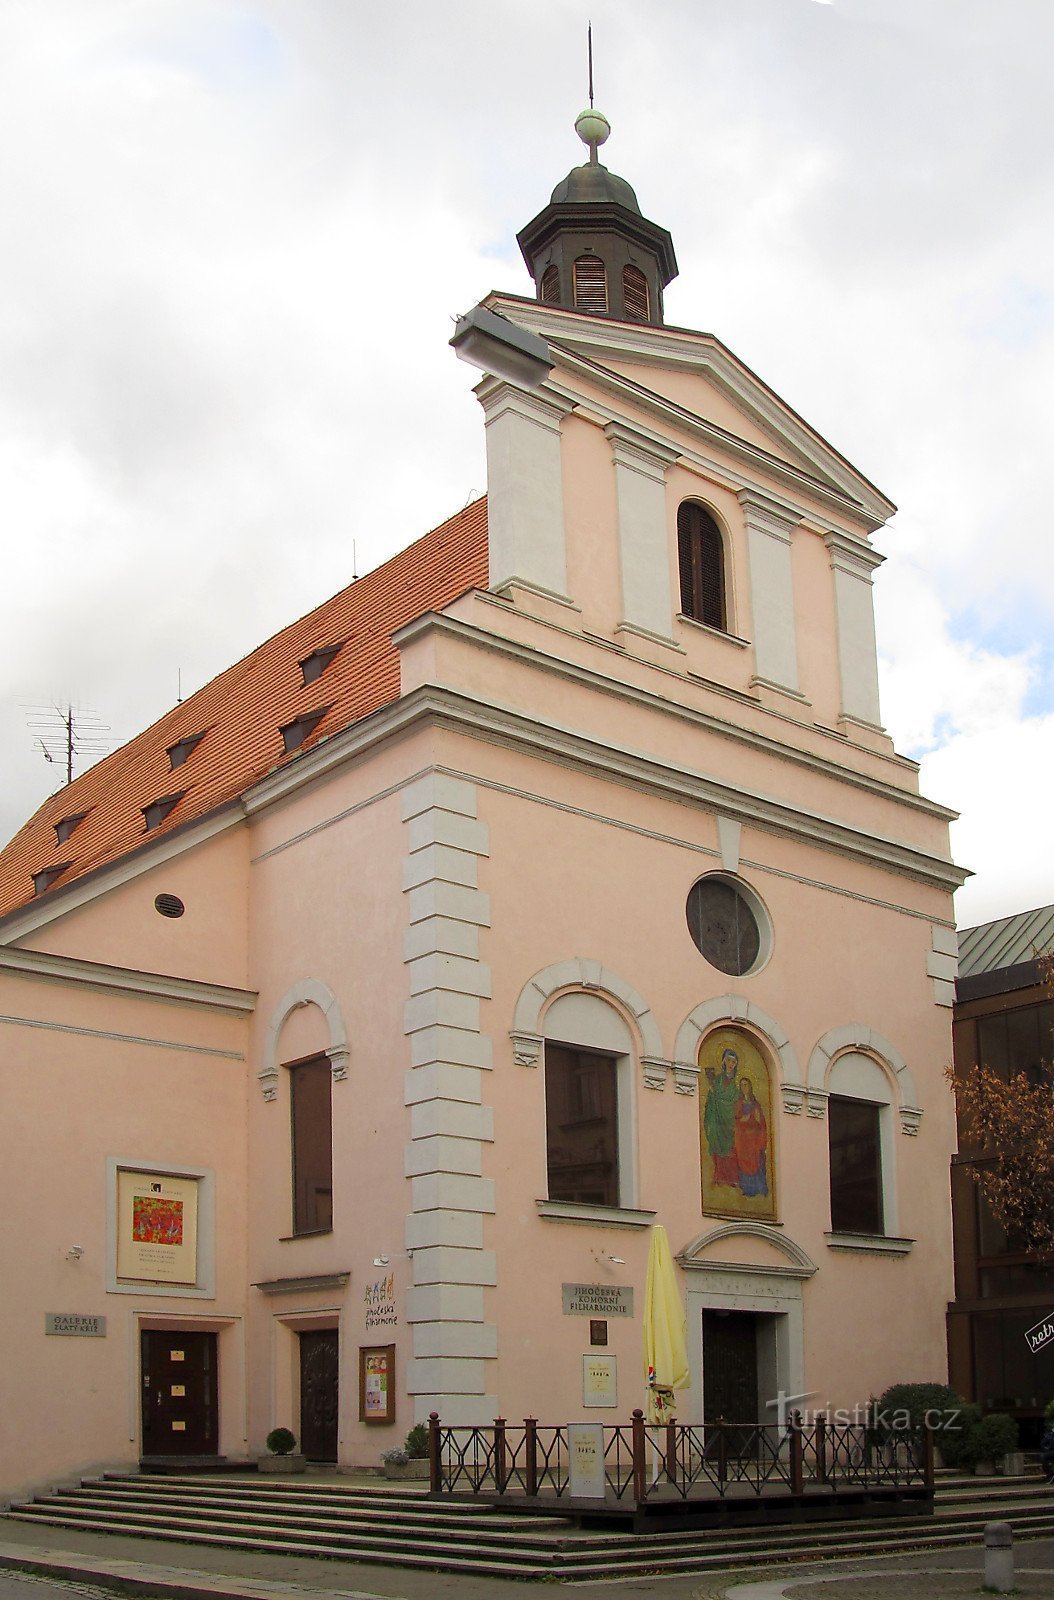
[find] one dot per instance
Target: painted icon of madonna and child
(738, 1176)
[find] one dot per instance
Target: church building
(557, 879)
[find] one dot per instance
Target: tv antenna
(66, 732)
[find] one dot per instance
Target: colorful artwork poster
(157, 1228)
(736, 1128)
(377, 1383)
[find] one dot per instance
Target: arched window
(588, 1102)
(860, 1135)
(635, 294)
(551, 284)
(701, 556)
(591, 284)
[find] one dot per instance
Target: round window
(728, 925)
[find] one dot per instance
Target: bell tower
(591, 249)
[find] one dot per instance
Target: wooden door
(179, 1393)
(730, 1366)
(319, 1394)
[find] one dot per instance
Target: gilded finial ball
(592, 126)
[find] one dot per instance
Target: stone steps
(408, 1528)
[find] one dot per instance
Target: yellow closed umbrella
(665, 1351)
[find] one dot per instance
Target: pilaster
(852, 563)
(449, 1123)
(525, 497)
(643, 531)
(769, 530)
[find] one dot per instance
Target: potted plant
(409, 1460)
(281, 1443)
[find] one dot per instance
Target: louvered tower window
(591, 284)
(701, 556)
(551, 285)
(635, 294)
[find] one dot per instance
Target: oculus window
(728, 924)
(311, 1114)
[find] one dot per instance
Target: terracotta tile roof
(240, 713)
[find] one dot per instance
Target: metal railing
(673, 1460)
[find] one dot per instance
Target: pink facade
(496, 862)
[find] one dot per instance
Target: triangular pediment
(680, 381)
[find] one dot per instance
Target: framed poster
(377, 1383)
(157, 1228)
(599, 1381)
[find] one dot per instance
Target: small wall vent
(169, 905)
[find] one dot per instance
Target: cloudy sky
(236, 233)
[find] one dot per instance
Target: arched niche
(307, 992)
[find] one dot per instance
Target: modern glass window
(311, 1086)
(855, 1133)
(581, 1125)
(701, 560)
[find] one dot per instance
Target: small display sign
(72, 1325)
(1041, 1334)
(597, 1300)
(585, 1454)
(377, 1383)
(599, 1381)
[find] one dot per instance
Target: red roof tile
(242, 710)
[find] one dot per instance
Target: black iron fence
(672, 1460)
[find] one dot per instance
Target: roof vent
(64, 828)
(156, 812)
(314, 665)
(169, 905)
(42, 881)
(294, 734)
(178, 752)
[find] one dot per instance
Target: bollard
(999, 1557)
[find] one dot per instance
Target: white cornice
(508, 726)
(126, 980)
(573, 334)
(100, 880)
(486, 640)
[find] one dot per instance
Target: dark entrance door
(179, 1393)
(730, 1366)
(319, 1392)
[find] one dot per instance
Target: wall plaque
(72, 1325)
(597, 1300)
(585, 1460)
(599, 1381)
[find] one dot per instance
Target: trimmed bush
(281, 1442)
(991, 1439)
(417, 1442)
(951, 1441)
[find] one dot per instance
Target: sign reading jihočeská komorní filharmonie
(597, 1300)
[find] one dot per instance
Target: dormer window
(179, 752)
(551, 285)
(156, 812)
(591, 284)
(635, 294)
(64, 828)
(701, 558)
(294, 734)
(42, 881)
(314, 665)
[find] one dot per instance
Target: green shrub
(417, 1442)
(951, 1441)
(919, 1401)
(991, 1439)
(281, 1442)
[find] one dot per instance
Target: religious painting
(736, 1128)
(156, 1228)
